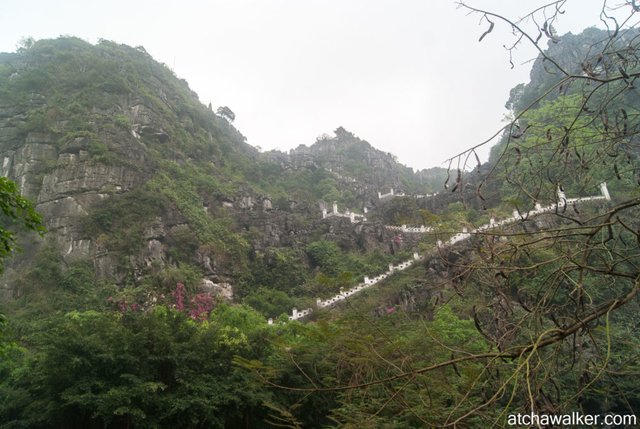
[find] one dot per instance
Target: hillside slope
(137, 178)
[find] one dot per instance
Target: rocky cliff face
(132, 173)
(351, 172)
(355, 160)
(83, 125)
(577, 54)
(62, 173)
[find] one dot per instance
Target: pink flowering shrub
(198, 307)
(178, 295)
(201, 305)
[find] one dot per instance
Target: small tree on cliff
(16, 212)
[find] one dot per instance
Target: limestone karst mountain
(135, 177)
(512, 291)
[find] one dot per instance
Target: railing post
(605, 191)
(562, 197)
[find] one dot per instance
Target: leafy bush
(269, 302)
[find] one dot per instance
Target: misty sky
(408, 76)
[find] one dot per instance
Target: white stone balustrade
(392, 193)
(353, 217)
(382, 196)
(464, 235)
(410, 229)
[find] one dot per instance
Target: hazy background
(409, 76)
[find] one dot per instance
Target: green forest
(154, 263)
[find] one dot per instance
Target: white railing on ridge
(464, 235)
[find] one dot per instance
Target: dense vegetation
(117, 108)
(537, 317)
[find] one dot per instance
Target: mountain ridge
(135, 175)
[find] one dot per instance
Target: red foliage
(179, 294)
(201, 305)
(198, 308)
